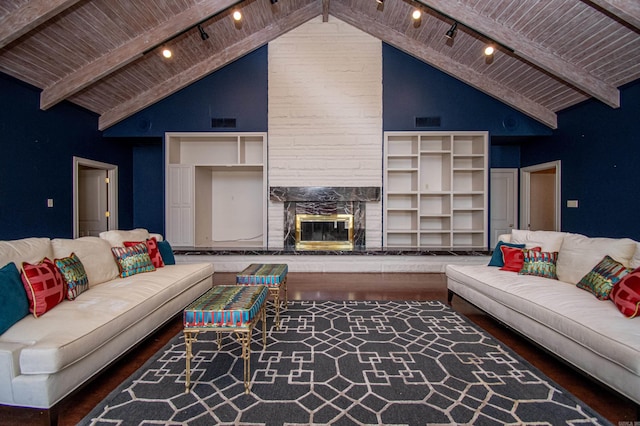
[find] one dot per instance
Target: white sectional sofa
(44, 359)
(590, 334)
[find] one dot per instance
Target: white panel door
(504, 202)
(92, 202)
(180, 213)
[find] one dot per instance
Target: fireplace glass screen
(324, 232)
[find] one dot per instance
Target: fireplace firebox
(324, 232)
(326, 218)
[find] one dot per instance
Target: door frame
(112, 193)
(525, 192)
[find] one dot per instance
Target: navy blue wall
(599, 148)
(414, 89)
(37, 162)
(239, 90)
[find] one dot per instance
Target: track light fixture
(203, 33)
(452, 31)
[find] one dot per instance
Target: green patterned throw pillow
(540, 264)
(601, 279)
(73, 274)
(133, 260)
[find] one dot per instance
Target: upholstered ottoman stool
(272, 275)
(227, 308)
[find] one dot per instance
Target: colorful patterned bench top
(225, 306)
(269, 274)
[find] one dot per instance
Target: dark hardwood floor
(346, 286)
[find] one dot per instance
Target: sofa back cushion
(579, 254)
(549, 241)
(93, 252)
(116, 238)
(31, 250)
(635, 260)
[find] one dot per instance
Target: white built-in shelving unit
(435, 190)
(216, 186)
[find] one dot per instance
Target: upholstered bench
(229, 308)
(272, 275)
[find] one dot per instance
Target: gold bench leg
(189, 338)
(264, 326)
(276, 303)
(286, 297)
(244, 338)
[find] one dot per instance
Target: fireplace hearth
(324, 218)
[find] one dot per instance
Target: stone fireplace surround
(324, 200)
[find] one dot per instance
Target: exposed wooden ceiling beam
(29, 16)
(627, 10)
(446, 64)
(209, 65)
(325, 10)
(132, 50)
(527, 49)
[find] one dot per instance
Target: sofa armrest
(9, 369)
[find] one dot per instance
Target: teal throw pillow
(166, 252)
(496, 257)
(14, 304)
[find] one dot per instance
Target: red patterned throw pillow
(44, 285)
(513, 258)
(152, 248)
(626, 294)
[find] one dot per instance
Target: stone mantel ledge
(324, 193)
(207, 251)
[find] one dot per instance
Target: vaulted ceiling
(104, 55)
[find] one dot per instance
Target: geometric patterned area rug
(347, 363)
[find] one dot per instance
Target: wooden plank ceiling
(105, 54)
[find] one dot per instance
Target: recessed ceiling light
(166, 53)
(416, 14)
(237, 15)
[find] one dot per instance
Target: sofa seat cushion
(594, 324)
(74, 329)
